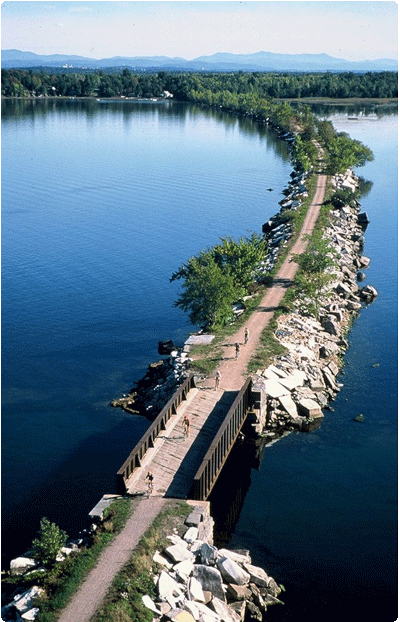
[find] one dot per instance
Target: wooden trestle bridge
(187, 467)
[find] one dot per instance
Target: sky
(359, 30)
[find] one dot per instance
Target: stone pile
(303, 380)
(199, 583)
(153, 391)
(22, 604)
(278, 229)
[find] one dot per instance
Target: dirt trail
(90, 595)
(234, 372)
(87, 599)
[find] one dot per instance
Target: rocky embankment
(194, 581)
(301, 383)
(278, 229)
(162, 379)
(197, 582)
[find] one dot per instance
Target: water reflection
(178, 112)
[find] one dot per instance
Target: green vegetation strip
(63, 579)
(123, 602)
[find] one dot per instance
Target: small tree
(314, 275)
(49, 543)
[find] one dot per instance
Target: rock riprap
(210, 585)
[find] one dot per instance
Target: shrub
(49, 543)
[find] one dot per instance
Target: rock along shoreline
(298, 386)
(208, 585)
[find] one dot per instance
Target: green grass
(123, 601)
(65, 578)
(206, 358)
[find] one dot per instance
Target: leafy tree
(49, 543)
(209, 293)
(240, 259)
(314, 275)
(218, 277)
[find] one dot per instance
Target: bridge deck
(174, 460)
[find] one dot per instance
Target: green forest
(187, 86)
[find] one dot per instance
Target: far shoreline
(300, 100)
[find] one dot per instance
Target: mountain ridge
(220, 61)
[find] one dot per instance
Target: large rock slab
(239, 592)
(206, 529)
(19, 565)
(296, 379)
(195, 590)
(191, 535)
(257, 575)
(232, 572)
(224, 611)
(31, 614)
(310, 409)
(149, 604)
(240, 558)
(288, 405)
(184, 569)
(179, 553)
(275, 389)
(208, 554)
(167, 587)
(23, 602)
(210, 579)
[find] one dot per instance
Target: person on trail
(150, 482)
(246, 335)
(237, 350)
(217, 379)
(186, 425)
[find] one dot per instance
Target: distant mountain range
(260, 61)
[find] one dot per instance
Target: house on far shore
(167, 94)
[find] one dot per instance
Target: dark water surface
(319, 510)
(100, 204)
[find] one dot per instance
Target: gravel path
(90, 595)
(87, 599)
(233, 372)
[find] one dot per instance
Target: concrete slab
(98, 510)
(194, 340)
(275, 389)
(289, 405)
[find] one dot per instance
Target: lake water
(101, 202)
(319, 510)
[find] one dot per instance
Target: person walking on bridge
(150, 483)
(186, 425)
(237, 350)
(246, 335)
(217, 379)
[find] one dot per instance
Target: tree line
(224, 274)
(127, 83)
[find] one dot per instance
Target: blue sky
(350, 30)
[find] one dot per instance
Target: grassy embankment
(123, 601)
(62, 580)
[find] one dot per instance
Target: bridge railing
(159, 424)
(222, 444)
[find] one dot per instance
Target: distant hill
(260, 61)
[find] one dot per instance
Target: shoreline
(336, 325)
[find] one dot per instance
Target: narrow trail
(90, 595)
(233, 371)
(88, 598)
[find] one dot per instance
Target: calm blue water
(319, 511)
(101, 203)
